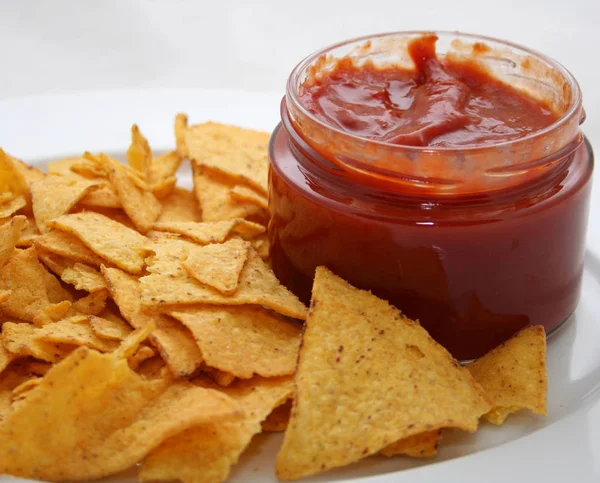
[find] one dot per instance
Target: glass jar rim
(575, 104)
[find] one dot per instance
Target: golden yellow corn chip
(139, 154)
(68, 246)
(62, 167)
(91, 304)
(161, 177)
(9, 208)
(212, 231)
(206, 453)
(52, 313)
(169, 284)
(380, 379)
(514, 374)
(279, 418)
(174, 342)
(241, 154)
(22, 389)
(142, 354)
(140, 205)
(76, 331)
(29, 234)
(180, 205)
(9, 236)
(21, 339)
(24, 276)
(248, 195)
(422, 445)
(55, 291)
(110, 240)
(261, 245)
(104, 196)
(213, 192)
(6, 357)
(218, 265)
(81, 276)
(113, 328)
(243, 340)
(54, 196)
(17, 373)
(11, 178)
(180, 128)
(87, 435)
(221, 378)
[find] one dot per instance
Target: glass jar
(475, 242)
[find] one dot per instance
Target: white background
(63, 46)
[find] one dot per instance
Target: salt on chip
(248, 195)
(218, 265)
(206, 453)
(140, 204)
(213, 192)
(514, 374)
(241, 154)
(243, 340)
(9, 208)
(174, 341)
(109, 239)
(169, 284)
(112, 328)
(69, 246)
(54, 196)
(87, 435)
(367, 377)
(76, 331)
(180, 205)
(10, 233)
(139, 154)
(21, 339)
(211, 231)
(424, 445)
(24, 276)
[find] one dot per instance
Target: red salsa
(473, 265)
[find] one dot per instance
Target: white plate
(564, 446)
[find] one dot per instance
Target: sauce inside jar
(473, 265)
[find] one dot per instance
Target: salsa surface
(440, 103)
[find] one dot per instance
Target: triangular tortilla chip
(69, 246)
(241, 154)
(22, 339)
(168, 284)
(367, 376)
(514, 374)
(161, 176)
(206, 453)
(212, 231)
(180, 205)
(9, 208)
(139, 154)
(174, 341)
(88, 435)
(243, 341)
(424, 445)
(10, 233)
(11, 178)
(110, 326)
(244, 194)
(109, 239)
(91, 304)
(76, 331)
(81, 276)
(218, 265)
(54, 196)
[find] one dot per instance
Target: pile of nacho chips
(141, 325)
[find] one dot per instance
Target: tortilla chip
(161, 177)
(24, 276)
(244, 340)
(140, 205)
(113, 328)
(22, 389)
(4, 295)
(380, 379)
(212, 231)
(11, 179)
(88, 436)
(81, 276)
(54, 196)
(68, 246)
(55, 291)
(168, 284)
(180, 205)
(29, 173)
(218, 265)
(110, 240)
(206, 453)
(17, 373)
(174, 342)
(76, 331)
(9, 208)
(52, 313)
(142, 354)
(422, 445)
(279, 418)
(9, 236)
(213, 192)
(244, 194)
(89, 167)
(21, 339)
(514, 374)
(241, 154)
(139, 154)
(6, 357)
(29, 234)
(104, 196)
(91, 304)
(180, 128)
(262, 246)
